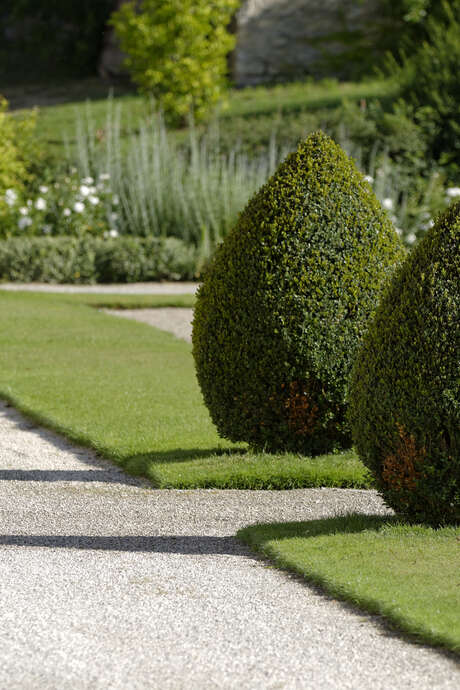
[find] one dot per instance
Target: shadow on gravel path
(189, 545)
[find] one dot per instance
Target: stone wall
(279, 39)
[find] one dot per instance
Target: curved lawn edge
(406, 574)
(128, 391)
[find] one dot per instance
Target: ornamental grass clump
(286, 300)
(405, 390)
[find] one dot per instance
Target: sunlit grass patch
(408, 574)
(129, 391)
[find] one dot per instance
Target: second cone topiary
(286, 300)
(405, 389)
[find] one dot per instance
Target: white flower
(11, 197)
(46, 229)
(104, 176)
(398, 231)
(43, 188)
(113, 233)
(24, 211)
(87, 180)
(114, 217)
(369, 178)
(452, 192)
(24, 222)
(410, 239)
(40, 204)
(115, 199)
(388, 204)
(29, 202)
(93, 200)
(79, 207)
(84, 190)
(66, 212)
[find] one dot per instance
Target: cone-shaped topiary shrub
(286, 299)
(405, 389)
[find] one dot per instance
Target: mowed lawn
(129, 391)
(410, 575)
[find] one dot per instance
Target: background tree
(176, 50)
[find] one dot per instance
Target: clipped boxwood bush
(96, 260)
(405, 390)
(285, 302)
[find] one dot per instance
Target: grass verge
(129, 391)
(258, 102)
(408, 574)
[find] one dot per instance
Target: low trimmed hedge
(96, 260)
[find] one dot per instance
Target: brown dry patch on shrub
(401, 469)
(301, 411)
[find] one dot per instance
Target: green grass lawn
(242, 104)
(129, 391)
(298, 96)
(408, 574)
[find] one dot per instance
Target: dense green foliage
(95, 260)
(405, 392)
(16, 149)
(406, 573)
(353, 51)
(176, 49)
(76, 30)
(129, 391)
(430, 89)
(286, 300)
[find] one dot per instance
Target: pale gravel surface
(106, 583)
(113, 289)
(176, 320)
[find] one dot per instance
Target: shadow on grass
(351, 523)
(179, 455)
(142, 465)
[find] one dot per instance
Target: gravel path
(121, 289)
(106, 583)
(177, 320)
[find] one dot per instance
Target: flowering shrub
(70, 206)
(412, 215)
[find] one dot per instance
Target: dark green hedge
(405, 391)
(94, 260)
(286, 300)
